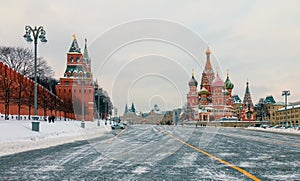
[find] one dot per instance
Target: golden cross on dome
(74, 37)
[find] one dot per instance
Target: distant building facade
(274, 115)
(237, 106)
(267, 109)
(130, 115)
(288, 116)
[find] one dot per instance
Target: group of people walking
(51, 118)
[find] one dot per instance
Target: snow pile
(277, 130)
(17, 136)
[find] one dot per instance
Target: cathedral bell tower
(208, 74)
(247, 106)
(192, 96)
(193, 99)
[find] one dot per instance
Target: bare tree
(21, 87)
(22, 60)
(48, 83)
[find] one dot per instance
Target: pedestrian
(49, 118)
(53, 117)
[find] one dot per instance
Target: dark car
(118, 126)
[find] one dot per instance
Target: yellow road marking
(249, 175)
(113, 138)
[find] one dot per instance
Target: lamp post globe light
(286, 93)
(36, 33)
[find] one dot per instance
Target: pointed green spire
(126, 109)
(85, 52)
(247, 88)
(247, 102)
(74, 46)
(132, 108)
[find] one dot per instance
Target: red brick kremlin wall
(17, 96)
(69, 90)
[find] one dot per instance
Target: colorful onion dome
(228, 83)
(207, 51)
(217, 82)
(193, 81)
(203, 91)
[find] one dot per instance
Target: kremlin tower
(77, 85)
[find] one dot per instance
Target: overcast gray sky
(256, 40)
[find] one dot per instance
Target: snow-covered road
(145, 152)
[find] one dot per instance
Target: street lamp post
(116, 114)
(292, 116)
(82, 102)
(110, 114)
(286, 93)
(36, 33)
(98, 107)
(104, 101)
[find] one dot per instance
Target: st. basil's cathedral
(214, 100)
